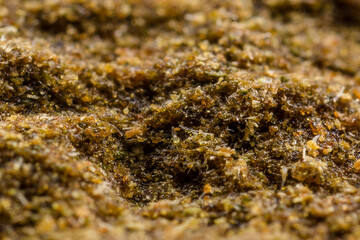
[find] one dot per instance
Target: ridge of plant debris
(179, 119)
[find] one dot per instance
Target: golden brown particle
(357, 165)
(192, 119)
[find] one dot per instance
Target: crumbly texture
(191, 119)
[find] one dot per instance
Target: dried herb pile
(192, 119)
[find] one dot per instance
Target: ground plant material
(191, 119)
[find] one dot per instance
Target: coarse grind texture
(180, 119)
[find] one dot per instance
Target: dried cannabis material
(192, 119)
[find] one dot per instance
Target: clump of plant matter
(179, 119)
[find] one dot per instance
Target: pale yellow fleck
(46, 224)
(327, 150)
(345, 145)
(312, 145)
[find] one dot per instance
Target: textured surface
(186, 119)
